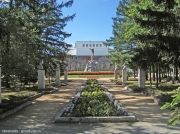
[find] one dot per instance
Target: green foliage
(93, 101)
(169, 78)
(30, 31)
(122, 45)
(174, 119)
(92, 81)
(148, 30)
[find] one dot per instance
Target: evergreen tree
(32, 30)
(122, 48)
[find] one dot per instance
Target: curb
(92, 119)
(2, 116)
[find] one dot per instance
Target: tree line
(146, 35)
(31, 31)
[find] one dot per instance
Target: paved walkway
(38, 117)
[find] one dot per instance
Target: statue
(57, 66)
(40, 67)
(92, 64)
(124, 66)
(92, 50)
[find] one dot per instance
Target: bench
(92, 77)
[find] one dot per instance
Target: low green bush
(93, 101)
(138, 89)
(92, 81)
(175, 107)
(169, 78)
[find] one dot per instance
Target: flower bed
(91, 82)
(91, 73)
(93, 103)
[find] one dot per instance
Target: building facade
(81, 54)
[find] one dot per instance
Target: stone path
(38, 117)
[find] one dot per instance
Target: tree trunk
(173, 76)
(179, 74)
(176, 73)
(153, 69)
(49, 78)
(159, 73)
(134, 73)
(157, 76)
(168, 72)
(7, 64)
(150, 77)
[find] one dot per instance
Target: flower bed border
(94, 119)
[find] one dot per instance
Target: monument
(41, 76)
(141, 78)
(91, 66)
(58, 75)
(124, 74)
(116, 72)
(65, 71)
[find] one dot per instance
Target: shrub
(175, 106)
(93, 101)
(169, 78)
(165, 97)
(92, 81)
(138, 89)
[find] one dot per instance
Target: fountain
(91, 66)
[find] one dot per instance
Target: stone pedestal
(0, 86)
(41, 79)
(141, 78)
(58, 77)
(115, 74)
(124, 75)
(65, 75)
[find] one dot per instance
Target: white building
(82, 48)
(82, 54)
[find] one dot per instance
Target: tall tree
(122, 48)
(158, 20)
(23, 41)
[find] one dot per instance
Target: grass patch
(13, 97)
(162, 92)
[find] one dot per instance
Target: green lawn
(163, 87)
(24, 91)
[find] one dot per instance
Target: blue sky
(93, 21)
